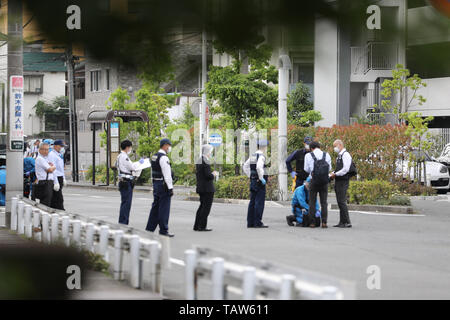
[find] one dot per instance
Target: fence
(373, 56)
(141, 260)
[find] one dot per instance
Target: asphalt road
(412, 251)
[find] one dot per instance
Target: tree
(244, 95)
(55, 113)
(299, 101)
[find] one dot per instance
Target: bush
(376, 192)
(238, 187)
(184, 174)
(100, 173)
(414, 189)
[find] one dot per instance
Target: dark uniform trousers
(57, 198)
(126, 195)
(159, 214)
(341, 187)
(322, 190)
(201, 218)
(256, 204)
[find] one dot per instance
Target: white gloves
(56, 187)
(65, 183)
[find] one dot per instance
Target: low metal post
(65, 230)
(134, 261)
(287, 287)
(90, 230)
(27, 222)
(37, 224)
(155, 266)
(20, 225)
(190, 259)
(76, 233)
(45, 227)
(103, 242)
(217, 278)
(14, 201)
(248, 283)
(118, 255)
(55, 227)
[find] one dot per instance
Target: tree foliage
(299, 101)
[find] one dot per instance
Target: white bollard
(190, 259)
(37, 224)
(217, 278)
(27, 222)
(248, 283)
(14, 201)
(45, 227)
(287, 287)
(20, 225)
(76, 232)
(90, 230)
(65, 230)
(134, 260)
(103, 241)
(118, 255)
(155, 266)
(55, 227)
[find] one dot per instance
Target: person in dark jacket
(205, 188)
(299, 156)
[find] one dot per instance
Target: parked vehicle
(444, 158)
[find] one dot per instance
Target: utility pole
(14, 153)
(73, 128)
(203, 129)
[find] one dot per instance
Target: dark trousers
(57, 198)
(256, 204)
(298, 182)
(46, 192)
(159, 214)
(341, 187)
(201, 218)
(126, 195)
(323, 194)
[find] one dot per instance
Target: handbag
(38, 189)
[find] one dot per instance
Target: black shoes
(203, 229)
(170, 235)
(261, 226)
(290, 221)
(343, 225)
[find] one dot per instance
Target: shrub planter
(377, 208)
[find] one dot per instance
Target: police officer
(59, 179)
(299, 157)
(126, 180)
(162, 177)
(255, 169)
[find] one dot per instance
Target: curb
(377, 208)
(432, 198)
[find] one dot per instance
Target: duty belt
(126, 176)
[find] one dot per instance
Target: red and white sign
(16, 125)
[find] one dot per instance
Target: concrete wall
(437, 94)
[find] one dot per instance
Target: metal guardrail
(141, 260)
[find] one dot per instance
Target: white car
(438, 176)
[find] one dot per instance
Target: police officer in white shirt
(255, 169)
(162, 177)
(59, 179)
(44, 173)
(317, 187)
(342, 178)
(126, 180)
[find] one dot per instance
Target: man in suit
(205, 188)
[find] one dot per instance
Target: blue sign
(215, 140)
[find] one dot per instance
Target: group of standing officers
(312, 176)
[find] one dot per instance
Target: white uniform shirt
(55, 158)
(259, 165)
(347, 161)
(124, 164)
(309, 161)
(164, 163)
(41, 167)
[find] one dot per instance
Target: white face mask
(169, 149)
(129, 151)
(307, 147)
(336, 149)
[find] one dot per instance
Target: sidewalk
(98, 285)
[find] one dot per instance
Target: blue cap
(263, 143)
(164, 141)
(308, 140)
(59, 143)
(48, 141)
(308, 179)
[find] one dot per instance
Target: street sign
(215, 140)
(16, 113)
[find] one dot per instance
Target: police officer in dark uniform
(126, 180)
(299, 157)
(162, 177)
(255, 169)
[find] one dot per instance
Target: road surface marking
(389, 214)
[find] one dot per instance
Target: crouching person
(300, 207)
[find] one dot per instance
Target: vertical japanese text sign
(16, 113)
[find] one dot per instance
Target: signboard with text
(16, 130)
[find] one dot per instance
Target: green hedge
(238, 187)
(376, 192)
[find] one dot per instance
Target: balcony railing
(374, 56)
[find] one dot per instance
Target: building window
(82, 126)
(95, 80)
(107, 80)
(33, 84)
